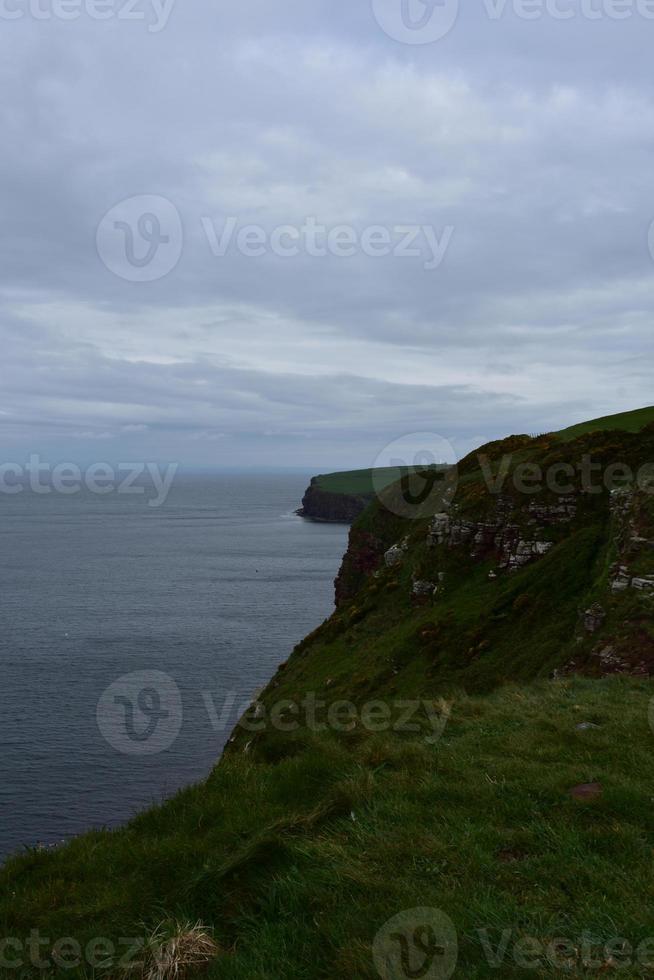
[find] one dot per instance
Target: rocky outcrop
(333, 508)
(423, 590)
(509, 542)
(631, 530)
(562, 512)
(594, 618)
(623, 580)
(396, 553)
(582, 619)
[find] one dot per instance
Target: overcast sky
(138, 320)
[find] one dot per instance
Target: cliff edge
(341, 497)
(319, 504)
(456, 764)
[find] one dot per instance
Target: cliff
(535, 560)
(319, 504)
(341, 497)
(457, 763)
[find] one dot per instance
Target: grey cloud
(530, 139)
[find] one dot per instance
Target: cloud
(516, 135)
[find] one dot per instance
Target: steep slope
(332, 506)
(497, 586)
(469, 732)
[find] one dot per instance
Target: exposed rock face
(622, 580)
(395, 554)
(631, 544)
(594, 618)
(560, 513)
(423, 589)
(509, 530)
(497, 536)
(333, 508)
(612, 663)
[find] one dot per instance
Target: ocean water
(206, 595)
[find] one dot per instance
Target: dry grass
(174, 949)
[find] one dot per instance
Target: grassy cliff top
(297, 855)
(518, 801)
(625, 421)
(362, 483)
(367, 482)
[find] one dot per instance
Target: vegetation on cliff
(633, 421)
(341, 497)
(469, 732)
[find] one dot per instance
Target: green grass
(302, 844)
(624, 421)
(363, 483)
(368, 482)
(297, 865)
(482, 632)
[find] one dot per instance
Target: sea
(132, 637)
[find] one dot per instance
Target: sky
(296, 234)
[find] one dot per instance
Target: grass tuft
(175, 950)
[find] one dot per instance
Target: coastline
(328, 507)
(234, 538)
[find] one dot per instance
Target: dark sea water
(211, 591)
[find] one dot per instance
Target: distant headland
(339, 498)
